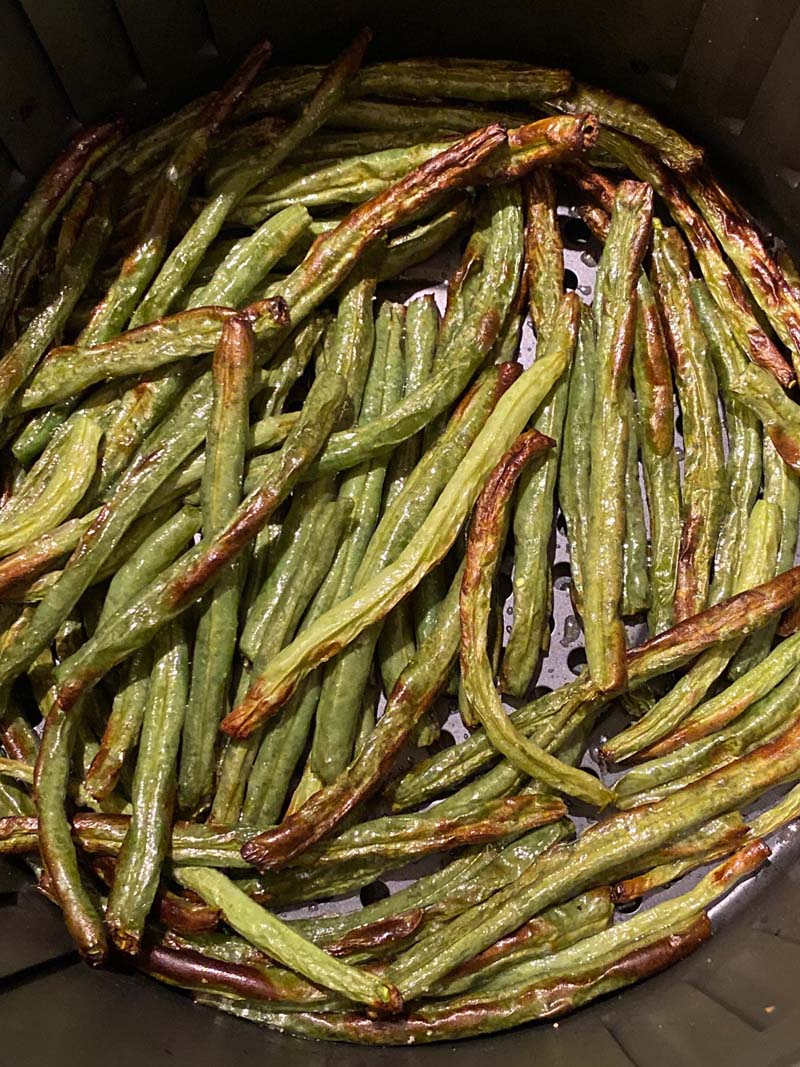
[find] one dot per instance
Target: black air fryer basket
(727, 73)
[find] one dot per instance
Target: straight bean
(146, 843)
(615, 324)
(218, 625)
(704, 485)
(533, 512)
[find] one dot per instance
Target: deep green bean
(146, 843)
(184, 258)
(182, 584)
(218, 625)
(573, 478)
(323, 524)
(705, 487)
(345, 678)
(533, 512)
(56, 305)
(31, 227)
(743, 468)
(635, 580)
(251, 259)
(615, 323)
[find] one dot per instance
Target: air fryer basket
(724, 71)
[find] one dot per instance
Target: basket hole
(443, 741)
(570, 280)
(562, 575)
(372, 893)
(629, 906)
(576, 660)
(576, 232)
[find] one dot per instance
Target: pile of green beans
(258, 512)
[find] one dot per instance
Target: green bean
(324, 526)
(377, 597)
(218, 625)
(484, 545)
(147, 840)
(127, 420)
(471, 79)
(555, 929)
(355, 179)
(122, 729)
(788, 267)
(533, 512)
(732, 702)
(659, 655)
(653, 379)
(51, 777)
(786, 810)
(464, 79)
(280, 750)
(772, 712)
(163, 204)
(196, 572)
(251, 259)
(71, 468)
(615, 323)
(715, 840)
(573, 479)
(342, 181)
(397, 642)
(779, 415)
(782, 488)
(419, 686)
(56, 305)
(723, 284)
(743, 245)
(417, 245)
(757, 565)
(627, 117)
(297, 542)
(385, 116)
(284, 944)
(704, 485)
(743, 467)
(635, 580)
(184, 258)
(571, 868)
(31, 227)
(537, 988)
(163, 545)
(290, 363)
(400, 837)
(38, 431)
(344, 680)
(72, 368)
